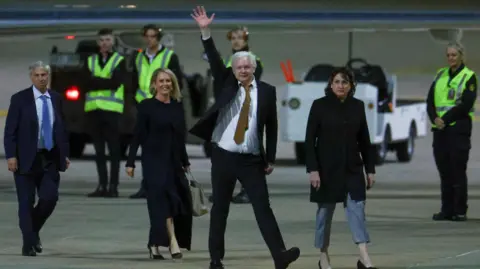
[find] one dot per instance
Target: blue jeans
(355, 211)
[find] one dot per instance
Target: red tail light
(72, 93)
(69, 37)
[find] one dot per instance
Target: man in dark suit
(36, 148)
(235, 124)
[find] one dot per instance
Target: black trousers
(43, 180)
(249, 169)
(105, 129)
(451, 153)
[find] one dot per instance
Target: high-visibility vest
(228, 62)
(145, 71)
(105, 99)
(448, 93)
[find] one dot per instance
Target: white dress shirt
(39, 106)
(151, 56)
(227, 124)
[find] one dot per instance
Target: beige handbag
(199, 201)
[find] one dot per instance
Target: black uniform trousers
(42, 179)
(451, 153)
(250, 171)
(105, 129)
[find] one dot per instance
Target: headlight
(294, 103)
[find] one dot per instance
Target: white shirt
(227, 124)
(150, 56)
(39, 106)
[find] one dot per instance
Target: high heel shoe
(360, 265)
(175, 256)
(155, 256)
(320, 265)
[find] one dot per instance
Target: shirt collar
(37, 93)
(147, 51)
(253, 84)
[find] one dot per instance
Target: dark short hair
(105, 31)
(346, 74)
(150, 26)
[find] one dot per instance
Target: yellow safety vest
(228, 62)
(145, 71)
(105, 99)
(448, 93)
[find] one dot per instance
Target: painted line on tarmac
(443, 259)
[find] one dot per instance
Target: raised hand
(200, 16)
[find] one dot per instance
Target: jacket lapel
(260, 100)
(32, 108)
(54, 106)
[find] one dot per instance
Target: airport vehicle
(67, 79)
(394, 123)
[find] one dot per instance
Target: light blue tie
(46, 125)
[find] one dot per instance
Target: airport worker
(104, 109)
(238, 38)
(450, 108)
(236, 129)
(154, 56)
(36, 153)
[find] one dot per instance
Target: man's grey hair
(245, 54)
(38, 64)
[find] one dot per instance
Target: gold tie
(242, 124)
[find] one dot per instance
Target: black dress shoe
(216, 264)
(100, 191)
(360, 265)
(459, 218)
(28, 251)
(112, 192)
(287, 257)
(38, 247)
(140, 194)
(241, 198)
(441, 216)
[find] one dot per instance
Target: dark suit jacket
(21, 130)
(266, 109)
(338, 146)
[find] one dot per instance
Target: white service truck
(394, 123)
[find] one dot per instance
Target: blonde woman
(160, 130)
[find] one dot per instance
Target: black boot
(112, 191)
(100, 191)
(140, 194)
(440, 216)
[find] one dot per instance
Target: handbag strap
(191, 177)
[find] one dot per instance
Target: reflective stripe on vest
(145, 71)
(443, 87)
(105, 99)
(228, 63)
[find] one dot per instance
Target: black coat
(337, 134)
(266, 105)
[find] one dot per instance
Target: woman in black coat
(160, 130)
(338, 149)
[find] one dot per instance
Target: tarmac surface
(112, 233)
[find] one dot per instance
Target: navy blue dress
(160, 131)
